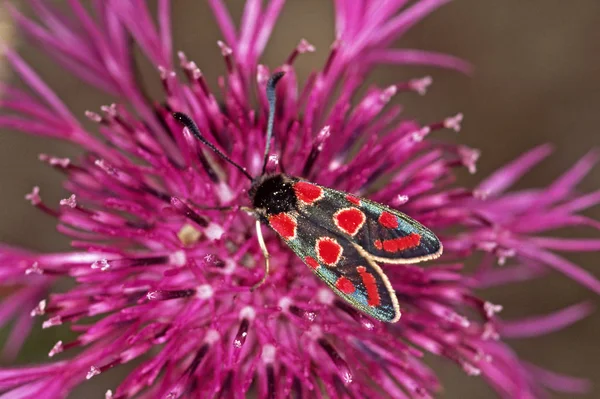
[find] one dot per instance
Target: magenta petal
(224, 20)
(573, 176)
(567, 244)
(269, 18)
(580, 203)
(535, 326)
(505, 177)
(406, 19)
(36, 83)
(567, 182)
(564, 266)
(17, 336)
(12, 377)
(420, 57)
(164, 25)
(28, 391)
(559, 382)
(510, 274)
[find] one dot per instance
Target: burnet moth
(339, 236)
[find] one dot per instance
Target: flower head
(162, 275)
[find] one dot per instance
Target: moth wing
(393, 237)
(385, 234)
(339, 262)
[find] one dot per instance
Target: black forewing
(374, 237)
(373, 295)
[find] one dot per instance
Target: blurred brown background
(537, 80)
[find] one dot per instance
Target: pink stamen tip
(51, 322)
(165, 73)
(454, 122)
(196, 72)
(71, 202)
(324, 133)
(225, 49)
(272, 163)
(183, 60)
(212, 336)
(388, 93)
(325, 296)
(487, 246)
(262, 74)
(214, 231)
(192, 67)
(101, 264)
(102, 164)
(305, 47)
(34, 196)
(110, 110)
(419, 135)
(489, 332)
(284, 303)
(322, 136)
(56, 349)
(93, 116)
(62, 162)
(481, 194)
(421, 85)
(400, 200)
(469, 158)
(178, 258)
(286, 68)
(94, 371)
(40, 309)
(54, 161)
(470, 369)
(336, 44)
(34, 269)
(248, 312)
(204, 291)
(491, 309)
(503, 254)
(458, 319)
(268, 353)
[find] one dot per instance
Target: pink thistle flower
(167, 280)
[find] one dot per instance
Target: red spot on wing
(312, 262)
(388, 220)
(307, 192)
(284, 224)
(328, 250)
(352, 199)
(390, 246)
(378, 244)
(370, 284)
(399, 244)
(345, 285)
(349, 220)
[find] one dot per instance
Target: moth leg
(265, 252)
(247, 210)
(216, 208)
(228, 208)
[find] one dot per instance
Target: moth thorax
(273, 194)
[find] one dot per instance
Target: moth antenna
(192, 127)
(272, 98)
